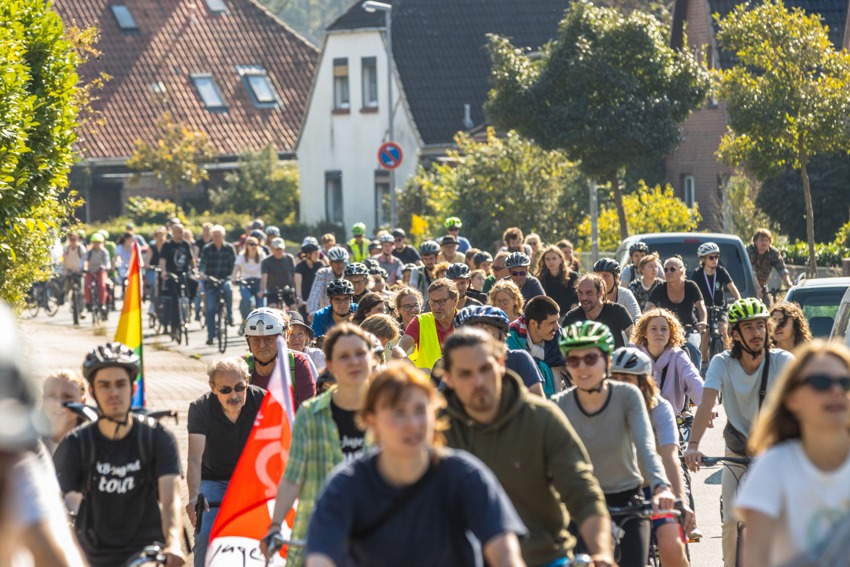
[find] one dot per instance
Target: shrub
(146, 210)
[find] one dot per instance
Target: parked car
(820, 299)
(842, 319)
(733, 254)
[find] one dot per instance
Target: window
(333, 196)
(124, 18)
(370, 82)
(341, 98)
(216, 6)
(209, 92)
(689, 191)
(258, 85)
(382, 198)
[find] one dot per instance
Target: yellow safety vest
(429, 350)
(360, 252)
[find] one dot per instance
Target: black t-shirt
(684, 311)
(407, 255)
(178, 257)
(459, 498)
(718, 281)
(280, 273)
(614, 315)
(564, 294)
(123, 504)
(225, 439)
(352, 439)
(308, 274)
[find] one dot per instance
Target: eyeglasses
(671, 269)
(825, 382)
(713, 257)
(439, 302)
(240, 387)
(589, 360)
(518, 273)
(410, 307)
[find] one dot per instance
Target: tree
(787, 98)
(261, 186)
(740, 210)
(38, 109)
(498, 183)
(653, 209)
(308, 17)
(176, 159)
(608, 91)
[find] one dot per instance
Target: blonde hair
(68, 375)
(677, 332)
(256, 258)
(509, 287)
(382, 326)
(776, 423)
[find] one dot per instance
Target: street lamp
(371, 6)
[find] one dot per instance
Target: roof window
(124, 18)
(209, 93)
(258, 85)
(216, 6)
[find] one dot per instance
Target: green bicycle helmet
(587, 334)
(359, 229)
(747, 309)
(453, 222)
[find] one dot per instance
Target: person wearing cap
(402, 250)
(338, 258)
(301, 338)
(482, 260)
(453, 226)
(518, 265)
(220, 422)
(449, 252)
(96, 264)
(428, 331)
(218, 258)
(278, 272)
(387, 260)
(358, 246)
(341, 308)
(33, 524)
(175, 257)
(306, 270)
(120, 473)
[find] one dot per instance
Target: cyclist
(248, 267)
(743, 375)
(494, 321)
(593, 306)
(612, 422)
(609, 271)
(566, 248)
(533, 241)
(358, 246)
(358, 274)
(448, 250)
(406, 253)
(428, 331)
(370, 304)
(406, 273)
(262, 328)
(634, 367)
(637, 252)
(517, 264)
(423, 276)
(790, 328)
(387, 260)
(218, 259)
(121, 473)
(372, 507)
(408, 304)
(301, 338)
(498, 271)
(482, 260)
(764, 257)
(537, 332)
(272, 232)
(794, 498)
(340, 309)
(305, 272)
(72, 262)
(506, 296)
(647, 280)
(175, 258)
(460, 275)
(453, 226)
(682, 297)
(714, 282)
(59, 388)
(325, 433)
(557, 279)
(513, 239)
(278, 273)
(96, 264)
(220, 422)
(318, 297)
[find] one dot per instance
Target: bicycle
(43, 295)
(180, 328)
(770, 296)
(640, 510)
(715, 339)
(150, 555)
(76, 298)
(98, 310)
(220, 319)
(726, 461)
(280, 298)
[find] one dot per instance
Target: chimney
(467, 116)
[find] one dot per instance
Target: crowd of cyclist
(511, 415)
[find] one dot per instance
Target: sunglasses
(240, 387)
(713, 257)
(588, 359)
(672, 269)
(399, 239)
(825, 382)
(518, 273)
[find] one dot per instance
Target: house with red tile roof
(228, 68)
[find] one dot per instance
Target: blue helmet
(482, 314)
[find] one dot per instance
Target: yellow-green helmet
(747, 309)
(359, 229)
(587, 334)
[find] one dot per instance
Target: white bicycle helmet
(707, 248)
(629, 360)
(264, 322)
(337, 254)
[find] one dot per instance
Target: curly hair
(509, 287)
(677, 332)
(792, 310)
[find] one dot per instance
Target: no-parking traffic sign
(390, 155)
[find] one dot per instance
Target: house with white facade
(440, 81)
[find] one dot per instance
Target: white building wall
(348, 143)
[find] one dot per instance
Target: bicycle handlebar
(643, 509)
(150, 554)
(712, 461)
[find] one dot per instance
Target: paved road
(175, 376)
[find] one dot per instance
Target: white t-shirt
(664, 423)
(249, 269)
(804, 500)
(741, 390)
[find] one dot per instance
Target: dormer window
(259, 86)
(209, 93)
(124, 18)
(216, 6)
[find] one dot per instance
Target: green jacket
(540, 462)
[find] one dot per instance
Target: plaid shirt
(319, 292)
(218, 263)
(315, 450)
(763, 263)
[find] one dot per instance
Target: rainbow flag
(129, 329)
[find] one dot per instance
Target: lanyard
(711, 284)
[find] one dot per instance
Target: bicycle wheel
(716, 346)
(31, 308)
(52, 294)
(184, 321)
(75, 306)
(95, 313)
(221, 330)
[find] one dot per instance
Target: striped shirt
(319, 292)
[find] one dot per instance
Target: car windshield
(819, 306)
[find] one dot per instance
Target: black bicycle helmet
(408, 268)
(356, 269)
(111, 354)
(379, 271)
(458, 271)
(482, 314)
(340, 287)
(517, 260)
(272, 231)
(371, 264)
(482, 257)
(607, 265)
(639, 246)
(429, 247)
(258, 234)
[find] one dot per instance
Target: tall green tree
(38, 109)
(787, 98)
(608, 91)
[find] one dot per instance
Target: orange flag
(246, 510)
